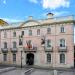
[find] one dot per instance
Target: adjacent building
(46, 42)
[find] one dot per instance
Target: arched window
(5, 44)
(14, 44)
(49, 58)
(62, 58)
(62, 43)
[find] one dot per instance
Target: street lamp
(21, 59)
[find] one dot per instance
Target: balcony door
(30, 59)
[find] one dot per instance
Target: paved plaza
(19, 71)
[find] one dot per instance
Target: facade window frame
(49, 57)
(5, 34)
(22, 32)
(38, 31)
(5, 44)
(30, 32)
(62, 43)
(5, 57)
(14, 57)
(62, 29)
(62, 58)
(14, 44)
(48, 30)
(14, 34)
(48, 43)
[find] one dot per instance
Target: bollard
(55, 72)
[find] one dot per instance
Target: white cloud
(4, 1)
(59, 13)
(53, 4)
(33, 1)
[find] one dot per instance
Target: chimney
(30, 17)
(50, 15)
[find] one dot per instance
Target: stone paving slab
(2, 70)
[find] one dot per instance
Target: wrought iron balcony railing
(48, 49)
(4, 50)
(34, 49)
(62, 49)
(13, 49)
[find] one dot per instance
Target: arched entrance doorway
(30, 59)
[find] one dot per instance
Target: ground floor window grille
(48, 58)
(5, 57)
(14, 57)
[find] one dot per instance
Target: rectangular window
(5, 57)
(48, 30)
(30, 32)
(14, 57)
(5, 44)
(14, 34)
(20, 41)
(14, 44)
(62, 29)
(62, 42)
(38, 31)
(48, 58)
(48, 43)
(5, 34)
(22, 32)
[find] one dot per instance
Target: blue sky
(18, 10)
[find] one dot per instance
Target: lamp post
(21, 59)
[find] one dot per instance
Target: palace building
(45, 42)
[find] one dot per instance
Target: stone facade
(32, 43)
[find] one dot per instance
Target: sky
(19, 10)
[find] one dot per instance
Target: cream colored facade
(59, 28)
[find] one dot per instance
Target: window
(62, 58)
(5, 44)
(48, 30)
(62, 29)
(14, 34)
(38, 31)
(5, 34)
(22, 32)
(48, 43)
(20, 41)
(62, 43)
(14, 57)
(5, 57)
(30, 32)
(14, 44)
(49, 58)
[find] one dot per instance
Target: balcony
(4, 50)
(13, 49)
(62, 49)
(48, 49)
(34, 49)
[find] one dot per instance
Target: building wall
(40, 56)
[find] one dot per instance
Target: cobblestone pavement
(14, 72)
(37, 72)
(42, 72)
